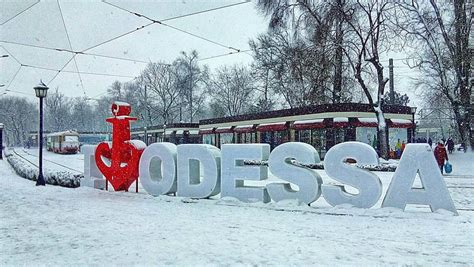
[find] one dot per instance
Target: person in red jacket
(440, 155)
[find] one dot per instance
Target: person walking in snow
(430, 142)
(440, 155)
(398, 149)
(450, 145)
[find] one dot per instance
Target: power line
(21, 12)
(11, 55)
(223, 55)
(205, 11)
(14, 76)
(160, 22)
(117, 37)
(18, 92)
(73, 52)
(59, 71)
(81, 72)
(70, 46)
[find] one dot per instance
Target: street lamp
(1, 140)
(145, 133)
(41, 91)
(413, 112)
(164, 132)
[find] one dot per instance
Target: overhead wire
(59, 71)
(18, 14)
(16, 59)
(81, 72)
(223, 55)
(74, 52)
(161, 22)
(152, 21)
(70, 46)
(12, 79)
(117, 37)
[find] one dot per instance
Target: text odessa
(202, 171)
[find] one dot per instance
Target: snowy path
(59, 226)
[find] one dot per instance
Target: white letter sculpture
(308, 181)
(234, 172)
(191, 158)
(158, 177)
(92, 175)
(418, 158)
(367, 183)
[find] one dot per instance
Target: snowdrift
(28, 170)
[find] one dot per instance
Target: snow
(26, 169)
(120, 103)
(367, 119)
(401, 121)
(341, 119)
(138, 144)
(63, 133)
(244, 126)
(54, 225)
(309, 121)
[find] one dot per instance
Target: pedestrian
(403, 146)
(398, 149)
(430, 142)
(450, 144)
(440, 155)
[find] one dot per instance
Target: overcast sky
(89, 23)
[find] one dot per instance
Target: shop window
(209, 139)
(226, 138)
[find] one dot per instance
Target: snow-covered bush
(384, 166)
(29, 171)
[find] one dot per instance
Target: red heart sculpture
(121, 170)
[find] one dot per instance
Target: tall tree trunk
(337, 83)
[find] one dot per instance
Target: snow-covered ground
(58, 226)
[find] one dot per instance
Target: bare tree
(368, 26)
(82, 114)
(231, 90)
(439, 32)
(57, 112)
(19, 117)
(323, 25)
(161, 79)
(192, 79)
(116, 91)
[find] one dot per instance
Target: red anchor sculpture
(118, 160)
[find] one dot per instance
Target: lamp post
(41, 90)
(1, 141)
(145, 135)
(164, 132)
(413, 111)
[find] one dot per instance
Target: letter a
(418, 158)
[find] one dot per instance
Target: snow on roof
(224, 128)
(120, 103)
(69, 132)
(400, 121)
(274, 123)
(367, 119)
(309, 121)
(244, 126)
(341, 119)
